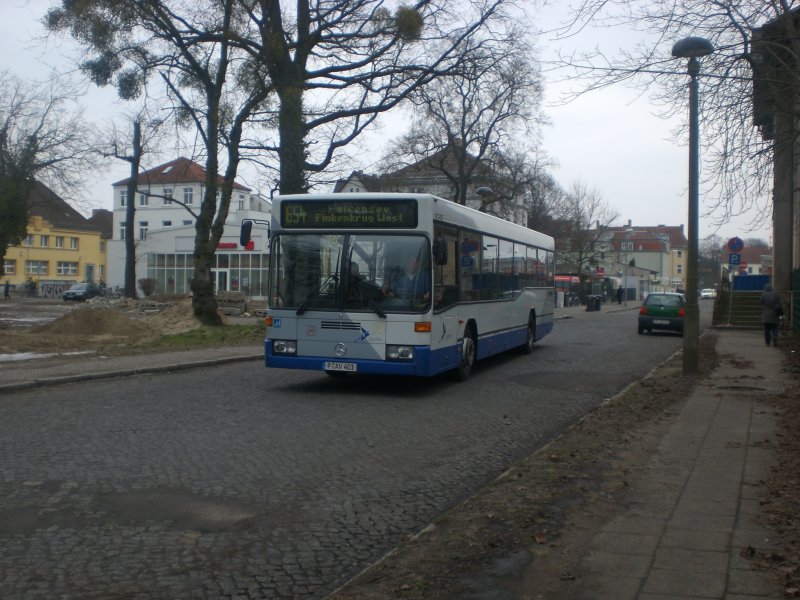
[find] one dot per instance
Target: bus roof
(445, 211)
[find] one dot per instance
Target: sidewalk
(690, 523)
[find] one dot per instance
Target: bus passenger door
(445, 276)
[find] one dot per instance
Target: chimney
(630, 223)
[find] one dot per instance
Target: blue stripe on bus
(425, 363)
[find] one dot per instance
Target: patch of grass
(228, 335)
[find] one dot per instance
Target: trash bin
(593, 303)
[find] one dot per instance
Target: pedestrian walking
(620, 294)
(7, 290)
(771, 313)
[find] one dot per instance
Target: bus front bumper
(420, 365)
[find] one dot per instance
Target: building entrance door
(221, 280)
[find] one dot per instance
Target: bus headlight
(399, 352)
(284, 347)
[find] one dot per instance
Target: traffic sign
(734, 259)
(735, 244)
(742, 267)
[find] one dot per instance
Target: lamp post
(691, 48)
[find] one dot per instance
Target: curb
(35, 383)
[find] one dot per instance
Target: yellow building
(62, 247)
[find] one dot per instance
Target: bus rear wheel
(467, 359)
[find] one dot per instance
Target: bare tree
(41, 138)
(587, 217)
(131, 147)
(312, 72)
(738, 159)
(709, 268)
(466, 123)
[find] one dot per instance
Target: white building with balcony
(168, 198)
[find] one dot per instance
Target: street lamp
(691, 48)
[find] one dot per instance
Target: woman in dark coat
(771, 312)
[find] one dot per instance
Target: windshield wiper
(314, 293)
(374, 306)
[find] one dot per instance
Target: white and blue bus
(404, 284)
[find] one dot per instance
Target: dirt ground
(535, 518)
(108, 326)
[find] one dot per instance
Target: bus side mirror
(440, 251)
(244, 233)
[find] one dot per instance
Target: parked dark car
(662, 311)
(81, 292)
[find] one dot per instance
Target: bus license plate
(340, 366)
(660, 322)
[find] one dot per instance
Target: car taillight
(642, 310)
(682, 313)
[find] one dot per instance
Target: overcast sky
(609, 141)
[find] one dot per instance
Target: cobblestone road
(237, 482)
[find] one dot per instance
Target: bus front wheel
(467, 359)
(530, 338)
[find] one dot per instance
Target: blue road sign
(735, 244)
(734, 259)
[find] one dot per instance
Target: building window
(144, 200)
(626, 246)
(10, 267)
(187, 222)
(680, 269)
(166, 223)
(241, 201)
(102, 272)
(102, 246)
(28, 241)
(36, 267)
(67, 268)
(59, 241)
(142, 230)
(44, 241)
(123, 197)
(73, 243)
(188, 195)
(167, 196)
(122, 231)
(680, 254)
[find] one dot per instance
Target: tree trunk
(130, 213)
(204, 304)
(292, 141)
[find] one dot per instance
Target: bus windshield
(352, 272)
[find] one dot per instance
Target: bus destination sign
(329, 214)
